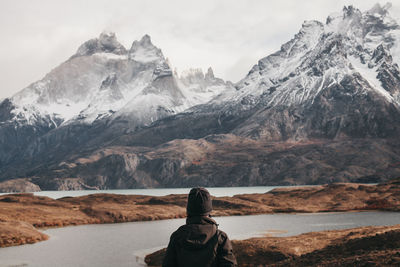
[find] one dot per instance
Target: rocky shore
(22, 214)
(364, 246)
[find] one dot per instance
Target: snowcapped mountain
(102, 85)
(324, 53)
(103, 79)
(325, 107)
(352, 59)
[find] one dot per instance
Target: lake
(215, 191)
(126, 244)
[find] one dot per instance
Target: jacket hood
(198, 231)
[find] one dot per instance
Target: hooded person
(199, 243)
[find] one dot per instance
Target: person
(199, 243)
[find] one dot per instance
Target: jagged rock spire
(145, 51)
(210, 74)
(107, 43)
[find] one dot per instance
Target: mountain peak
(146, 40)
(145, 51)
(107, 38)
(349, 11)
(210, 74)
(381, 10)
(106, 43)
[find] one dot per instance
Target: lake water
(215, 191)
(126, 244)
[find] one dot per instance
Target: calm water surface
(126, 244)
(215, 191)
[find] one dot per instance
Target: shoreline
(40, 212)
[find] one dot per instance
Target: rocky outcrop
(18, 185)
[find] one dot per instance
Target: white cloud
(230, 36)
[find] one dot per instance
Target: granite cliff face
(325, 107)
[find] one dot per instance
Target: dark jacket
(199, 243)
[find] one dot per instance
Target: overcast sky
(230, 36)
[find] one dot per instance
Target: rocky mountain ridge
(324, 108)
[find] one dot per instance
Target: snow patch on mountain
(108, 56)
(370, 74)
